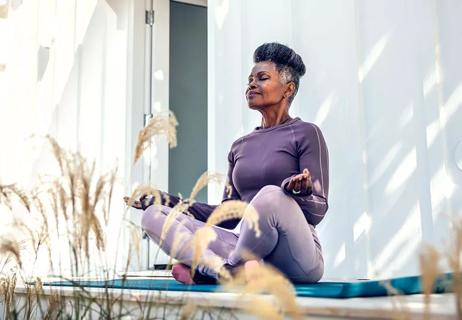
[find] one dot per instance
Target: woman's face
(265, 87)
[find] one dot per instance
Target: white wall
(68, 72)
(384, 83)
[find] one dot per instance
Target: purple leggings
(287, 241)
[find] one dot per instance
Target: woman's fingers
(306, 185)
(300, 182)
(291, 184)
(298, 185)
(294, 183)
(136, 204)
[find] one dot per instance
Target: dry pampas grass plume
(147, 190)
(8, 192)
(429, 270)
(172, 217)
(77, 195)
(201, 240)
(188, 310)
(203, 181)
(263, 309)
(3, 15)
(161, 124)
(232, 209)
(10, 247)
(266, 279)
(204, 236)
(135, 241)
(454, 255)
(180, 242)
(400, 309)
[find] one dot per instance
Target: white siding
(66, 74)
(384, 83)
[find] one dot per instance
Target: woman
(280, 168)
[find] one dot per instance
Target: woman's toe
(182, 273)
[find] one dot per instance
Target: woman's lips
(251, 94)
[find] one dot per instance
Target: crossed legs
(287, 241)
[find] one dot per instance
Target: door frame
(148, 94)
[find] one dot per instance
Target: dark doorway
(188, 96)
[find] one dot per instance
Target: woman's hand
(136, 204)
(301, 183)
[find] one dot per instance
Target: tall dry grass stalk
(147, 190)
(263, 309)
(429, 269)
(173, 216)
(203, 181)
(7, 286)
(230, 209)
(187, 311)
(454, 256)
(8, 192)
(73, 205)
(10, 247)
(135, 240)
(180, 243)
(266, 279)
(201, 240)
(80, 199)
(400, 310)
(161, 124)
(3, 15)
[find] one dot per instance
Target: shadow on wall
(411, 177)
(81, 120)
(119, 7)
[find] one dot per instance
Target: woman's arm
(313, 155)
(230, 192)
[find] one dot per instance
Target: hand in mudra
(301, 183)
(136, 204)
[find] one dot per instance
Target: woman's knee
(267, 198)
(149, 215)
(316, 274)
(269, 194)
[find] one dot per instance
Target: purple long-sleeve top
(272, 156)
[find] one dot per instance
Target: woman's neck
(271, 119)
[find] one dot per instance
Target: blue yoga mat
(324, 289)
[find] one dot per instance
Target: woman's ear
(290, 89)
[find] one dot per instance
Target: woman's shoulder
(239, 141)
(306, 127)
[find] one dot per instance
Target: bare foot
(136, 204)
(182, 273)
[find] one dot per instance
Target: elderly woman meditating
(280, 168)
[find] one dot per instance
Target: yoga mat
(322, 289)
